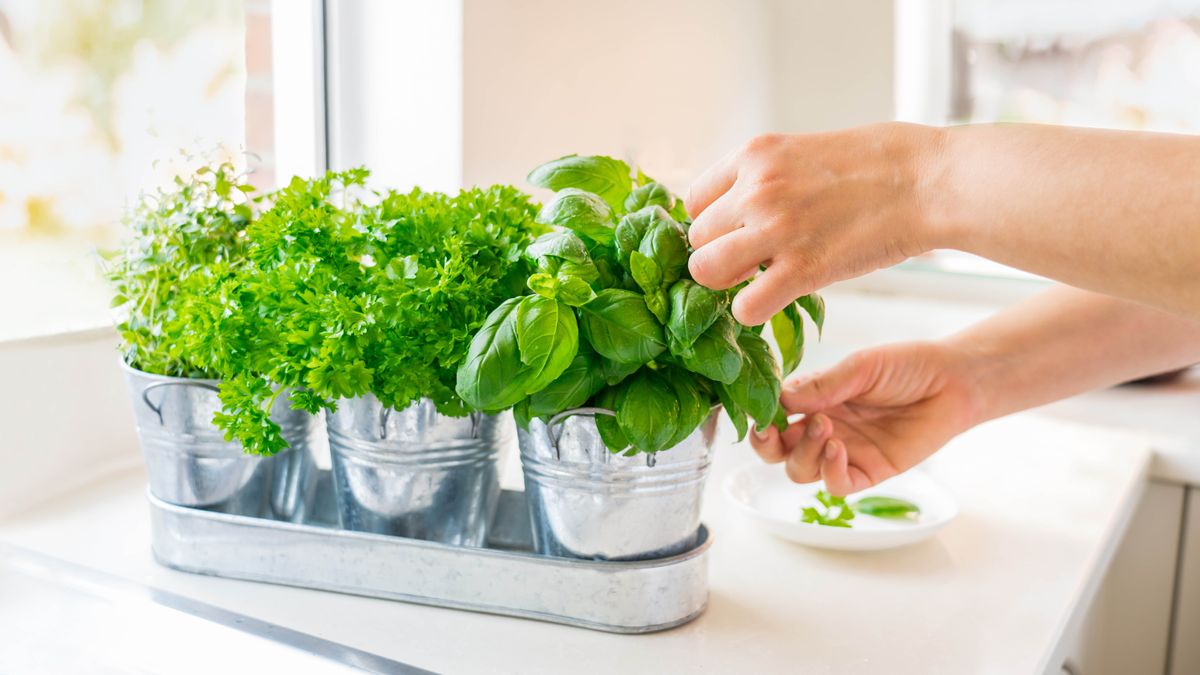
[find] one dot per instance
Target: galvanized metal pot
(586, 502)
(414, 472)
(190, 463)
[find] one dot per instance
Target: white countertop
(1043, 504)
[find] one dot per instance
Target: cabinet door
(1127, 629)
(1185, 647)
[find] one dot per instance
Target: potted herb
(181, 240)
(614, 360)
(363, 305)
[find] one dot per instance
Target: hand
(877, 413)
(812, 209)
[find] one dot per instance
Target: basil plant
(611, 319)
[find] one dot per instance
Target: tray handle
(158, 385)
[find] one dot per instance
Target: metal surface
(504, 578)
(586, 502)
(416, 473)
(190, 463)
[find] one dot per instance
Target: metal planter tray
(506, 577)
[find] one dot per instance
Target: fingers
(711, 184)
(768, 445)
(805, 444)
(818, 391)
(840, 477)
(773, 290)
(719, 219)
(729, 260)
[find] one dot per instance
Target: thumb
(812, 392)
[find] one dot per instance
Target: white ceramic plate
(764, 493)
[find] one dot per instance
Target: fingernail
(831, 451)
(760, 435)
(816, 428)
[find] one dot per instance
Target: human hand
(877, 413)
(812, 209)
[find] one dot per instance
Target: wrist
(983, 370)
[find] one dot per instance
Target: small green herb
(890, 508)
(836, 512)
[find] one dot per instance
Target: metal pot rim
(166, 378)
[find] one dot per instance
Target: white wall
(671, 84)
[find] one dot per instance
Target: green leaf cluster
(611, 318)
(180, 238)
(836, 512)
(337, 291)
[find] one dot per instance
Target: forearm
(1113, 212)
(1065, 342)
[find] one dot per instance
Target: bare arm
(1114, 212)
(884, 410)
(1065, 342)
(1110, 211)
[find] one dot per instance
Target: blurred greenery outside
(100, 101)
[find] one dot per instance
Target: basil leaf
(547, 337)
(614, 372)
(887, 507)
(559, 244)
(647, 195)
(646, 273)
(579, 382)
(815, 306)
(694, 406)
(575, 291)
(607, 177)
(583, 212)
(659, 305)
(633, 228)
(648, 411)
(610, 432)
(788, 328)
(716, 354)
(493, 376)
(693, 309)
(544, 285)
(620, 326)
(733, 410)
(757, 387)
(666, 244)
(521, 413)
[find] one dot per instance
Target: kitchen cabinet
(1185, 654)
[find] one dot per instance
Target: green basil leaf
(887, 507)
(788, 328)
(614, 372)
(547, 337)
(815, 306)
(610, 432)
(693, 309)
(563, 244)
(579, 382)
(694, 406)
(585, 270)
(716, 354)
(666, 244)
(648, 411)
(604, 176)
(582, 212)
(521, 413)
(633, 228)
(493, 377)
(619, 326)
(544, 285)
(659, 305)
(647, 195)
(575, 291)
(757, 387)
(733, 410)
(646, 273)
